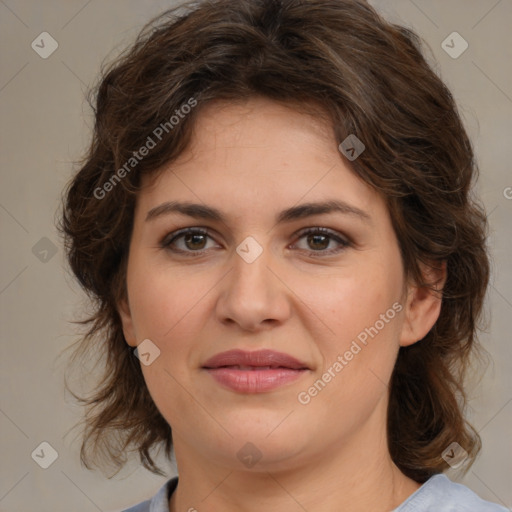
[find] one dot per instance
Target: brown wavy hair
(368, 77)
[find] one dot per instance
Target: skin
(252, 160)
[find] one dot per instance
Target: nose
(253, 295)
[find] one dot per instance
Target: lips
(257, 360)
(254, 372)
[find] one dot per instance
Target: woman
(274, 221)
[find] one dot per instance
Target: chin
(274, 448)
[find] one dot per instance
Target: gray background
(45, 125)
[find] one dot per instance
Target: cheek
(358, 318)
(359, 356)
(166, 309)
(164, 302)
(349, 302)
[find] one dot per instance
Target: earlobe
(423, 305)
(123, 309)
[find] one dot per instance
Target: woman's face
(324, 288)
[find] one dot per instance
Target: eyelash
(171, 238)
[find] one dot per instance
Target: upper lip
(254, 358)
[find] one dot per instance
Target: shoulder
(440, 494)
(160, 501)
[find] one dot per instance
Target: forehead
(254, 154)
(240, 121)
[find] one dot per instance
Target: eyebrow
(302, 211)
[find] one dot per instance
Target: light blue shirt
(437, 494)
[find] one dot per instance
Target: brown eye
(194, 241)
(319, 240)
(190, 240)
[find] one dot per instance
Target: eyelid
(170, 237)
(325, 231)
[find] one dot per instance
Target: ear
(123, 309)
(423, 305)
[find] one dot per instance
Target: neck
(356, 476)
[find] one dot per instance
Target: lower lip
(254, 381)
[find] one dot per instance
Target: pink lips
(254, 372)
